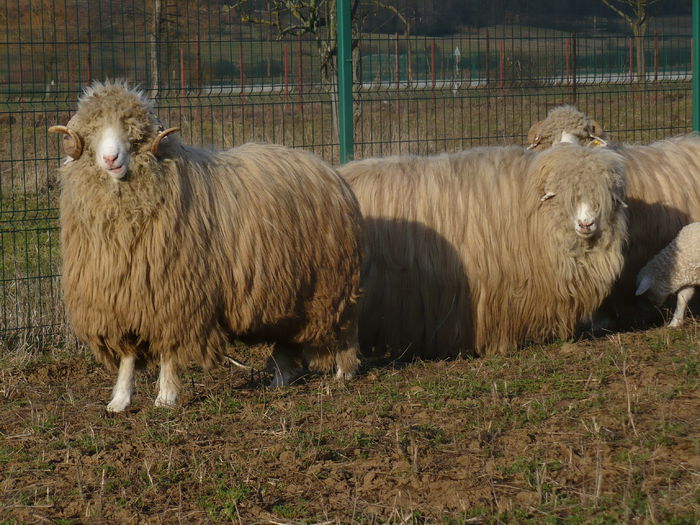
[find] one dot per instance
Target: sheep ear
(156, 143)
(621, 202)
(644, 285)
(595, 131)
(533, 135)
(595, 128)
(547, 196)
(72, 143)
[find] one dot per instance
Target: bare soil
(602, 430)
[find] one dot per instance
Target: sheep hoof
(118, 404)
(342, 375)
(280, 380)
(675, 323)
(165, 401)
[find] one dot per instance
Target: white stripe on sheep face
(112, 152)
(586, 221)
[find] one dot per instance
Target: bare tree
(636, 14)
(316, 18)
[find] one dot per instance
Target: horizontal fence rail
(424, 80)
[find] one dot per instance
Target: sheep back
(663, 194)
(199, 247)
(462, 255)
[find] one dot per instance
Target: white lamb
(675, 269)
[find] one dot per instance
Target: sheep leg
(283, 365)
(124, 387)
(346, 361)
(684, 296)
(168, 383)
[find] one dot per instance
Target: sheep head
(565, 119)
(581, 187)
(113, 124)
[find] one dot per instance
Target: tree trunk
(155, 33)
(639, 31)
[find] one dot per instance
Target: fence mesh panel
(428, 77)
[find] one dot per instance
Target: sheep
(483, 250)
(565, 118)
(675, 269)
(663, 191)
(170, 251)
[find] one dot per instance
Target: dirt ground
(602, 430)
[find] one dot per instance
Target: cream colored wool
(198, 247)
(463, 256)
(675, 269)
(545, 133)
(663, 191)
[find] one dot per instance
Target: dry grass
(589, 431)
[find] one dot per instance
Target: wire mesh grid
(233, 72)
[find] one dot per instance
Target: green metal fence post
(345, 128)
(695, 53)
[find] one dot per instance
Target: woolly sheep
(486, 249)
(171, 251)
(675, 269)
(565, 118)
(663, 190)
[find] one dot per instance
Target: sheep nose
(109, 159)
(586, 224)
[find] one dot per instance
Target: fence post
(345, 124)
(696, 65)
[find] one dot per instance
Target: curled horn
(160, 137)
(533, 135)
(595, 132)
(72, 143)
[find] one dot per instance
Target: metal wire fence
(232, 72)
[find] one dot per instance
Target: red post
(285, 62)
(396, 59)
(242, 70)
(501, 60)
(196, 63)
(629, 42)
(567, 44)
(89, 59)
(300, 79)
(573, 65)
(182, 77)
(70, 74)
(488, 58)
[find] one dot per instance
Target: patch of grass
(293, 510)
(224, 501)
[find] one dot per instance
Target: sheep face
(646, 284)
(581, 187)
(114, 126)
(113, 152)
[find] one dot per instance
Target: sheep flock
(172, 252)
(663, 190)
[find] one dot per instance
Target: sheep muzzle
(72, 143)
